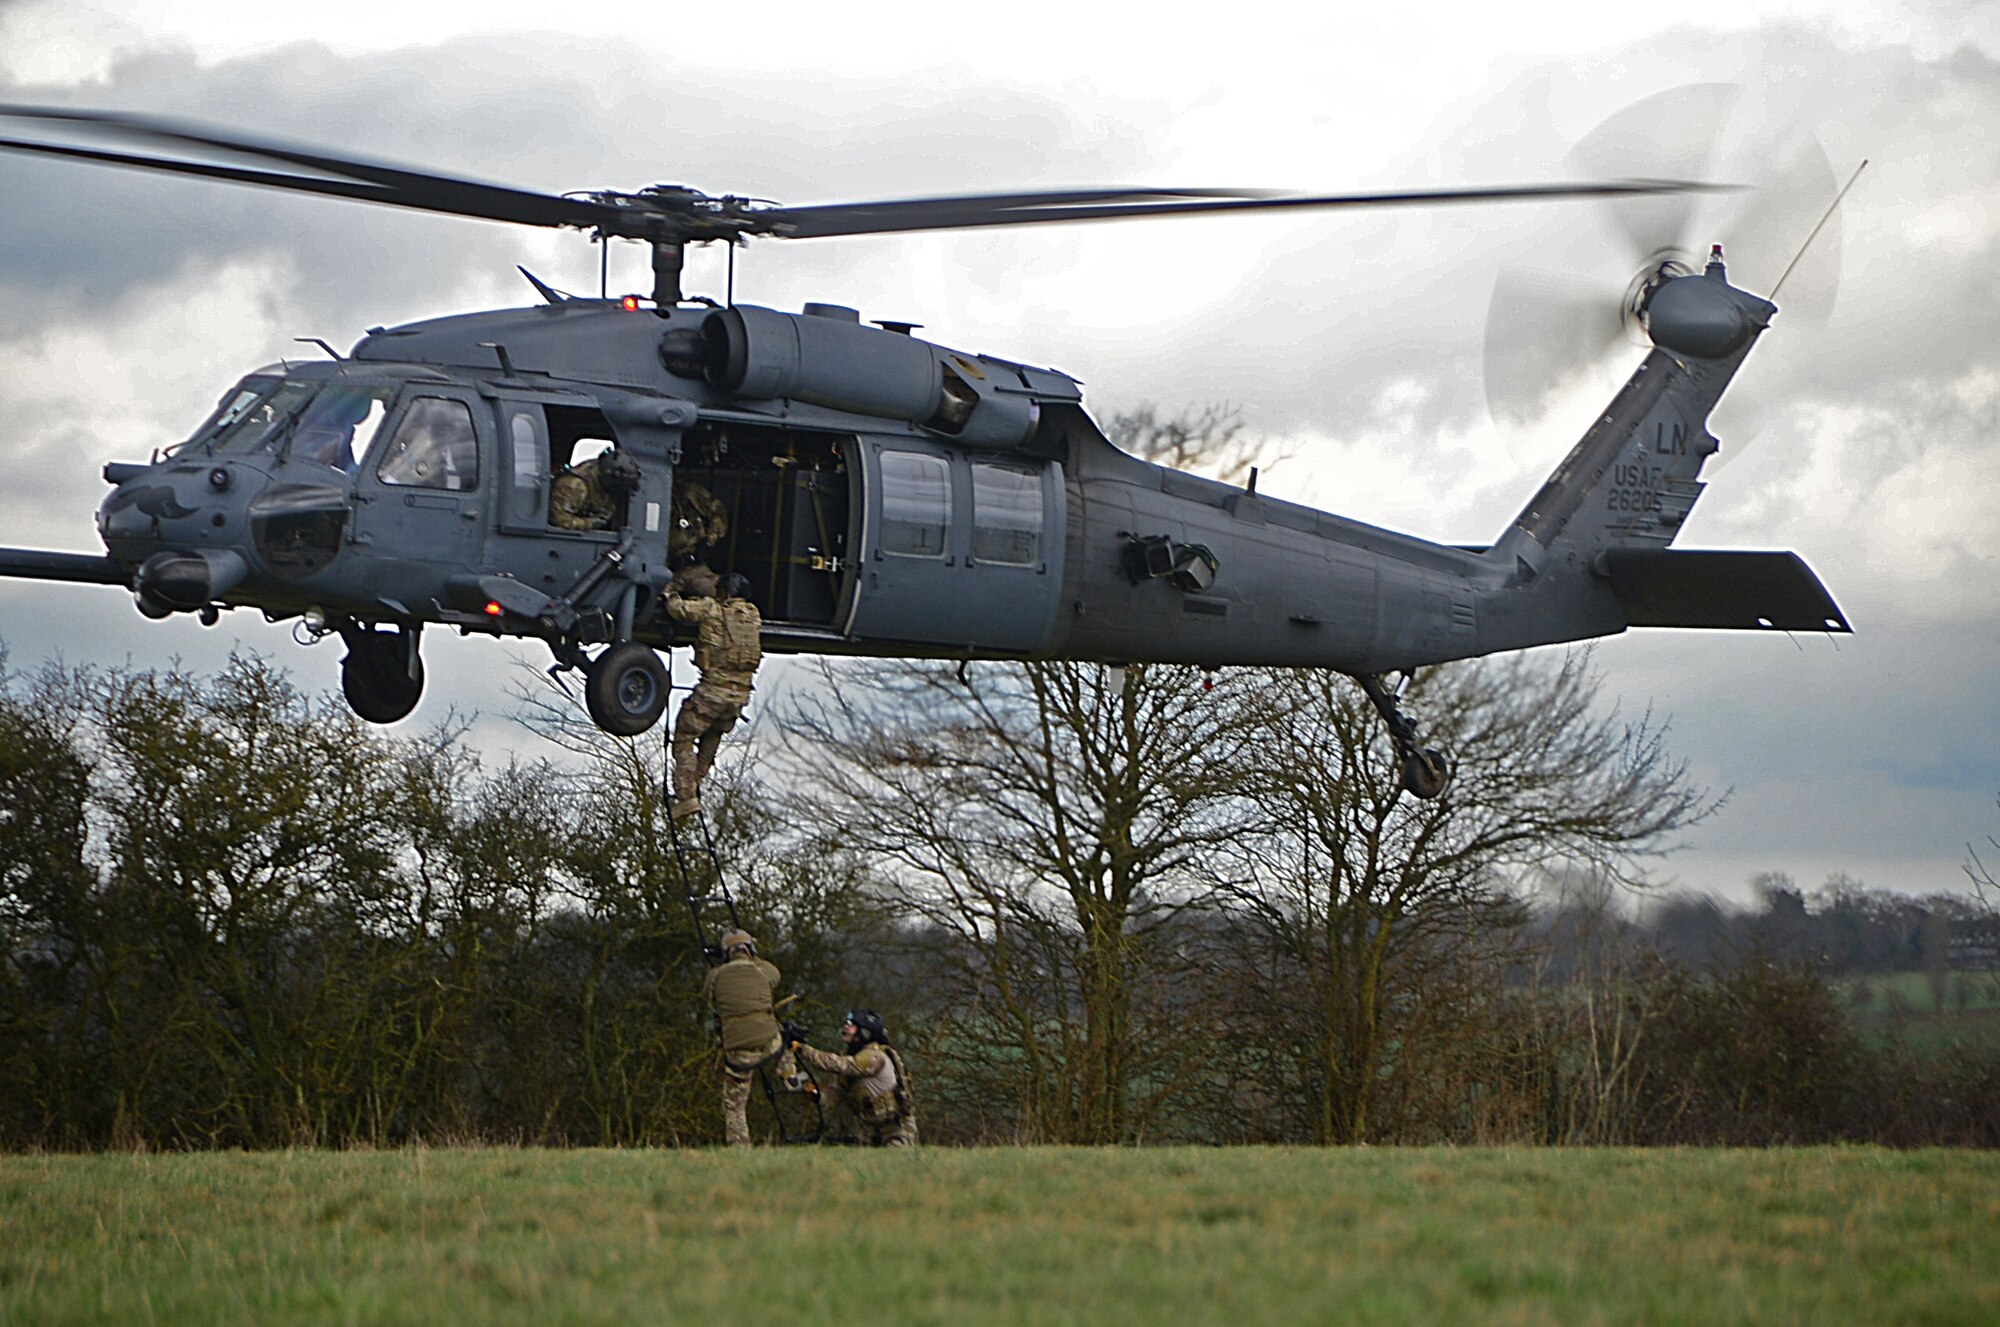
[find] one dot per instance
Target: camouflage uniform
(577, 500)
(728, 647)
(741, 993)
(873, 1087)
(699, 521)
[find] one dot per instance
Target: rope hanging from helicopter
(706, 889)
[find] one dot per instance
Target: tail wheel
(625, 689)
(1426, 772)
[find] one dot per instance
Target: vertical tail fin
(1635, 475)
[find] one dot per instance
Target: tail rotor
(1551, 330)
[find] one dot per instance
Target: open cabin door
(775, 505)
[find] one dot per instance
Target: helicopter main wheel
(625, 689)
(380, 677)
(1426, 771)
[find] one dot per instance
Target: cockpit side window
(434, 447)
(338, 426)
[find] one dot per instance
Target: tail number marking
(1635, 488)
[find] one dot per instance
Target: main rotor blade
(1675, 132)
(1023, 210)
(149, 143)
(676, 214)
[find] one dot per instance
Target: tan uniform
(741, 992)
(728, 647)
(699, 522)
(577, 500)
(872, 1086)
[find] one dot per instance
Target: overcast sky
(128, 302)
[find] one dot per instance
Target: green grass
(972, 1237)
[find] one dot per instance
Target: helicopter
(880, 494)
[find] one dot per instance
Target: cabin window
(1006, 516)
(434, 447)
(916, 504)
(526, 441)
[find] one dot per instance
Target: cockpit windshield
(246, 413)
(330, 423)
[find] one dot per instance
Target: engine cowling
(826, 357)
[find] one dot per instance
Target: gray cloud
(128, 302)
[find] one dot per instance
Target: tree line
(1095, 906)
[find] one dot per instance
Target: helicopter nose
(149, 507)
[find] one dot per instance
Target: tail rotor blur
(1551, 330)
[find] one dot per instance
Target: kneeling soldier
(869, 1081)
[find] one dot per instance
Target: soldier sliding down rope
(728, 647)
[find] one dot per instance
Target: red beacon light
(630, 304)
(493, 609)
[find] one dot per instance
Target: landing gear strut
(1426, 770)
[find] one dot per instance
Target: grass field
(1901, 1008)
(972, 1237)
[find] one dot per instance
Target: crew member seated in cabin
(727, 649)
(740, 990)
(869, 1082)
(589, 494)
(699, 523)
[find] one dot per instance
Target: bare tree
(1377, 902)
(1207, 439)
(1984, 886)
(1052, 820)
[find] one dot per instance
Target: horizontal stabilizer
(82, 568)
(1665, 587)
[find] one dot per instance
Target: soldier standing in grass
(741, 990)
(728, 647)
(869, 1082)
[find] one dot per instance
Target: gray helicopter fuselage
(1012, 542)
(882, 494)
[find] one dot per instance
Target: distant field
(973, 1237)
(1902, 1007)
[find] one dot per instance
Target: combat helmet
(870, 1025)
(731, 940)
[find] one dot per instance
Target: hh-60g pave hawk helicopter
(883, 495)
